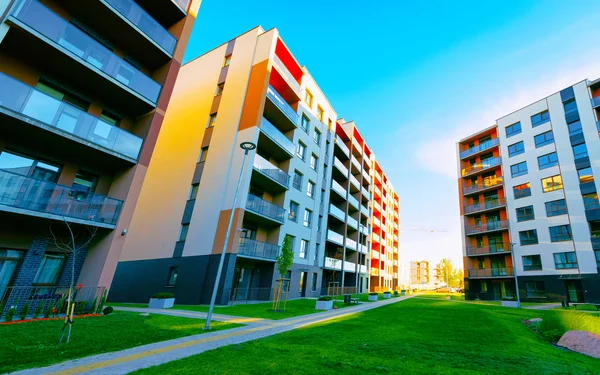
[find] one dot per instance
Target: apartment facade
(532, 215)
(84, 88)
(308, 178)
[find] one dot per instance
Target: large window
(310, 190)
(565, 260)
(49, 270)
(303, 249)
(590, 201)
(28, 167)
(519, 169)
(570, 106)
(85, 182)
(297, 182)
(301, 150)
(540, 118)
(522, 191)
(305, 123)
(293, 216)
(9, 261)
(532, 263)
(547, 161)
(585, 175)
(560, 233)
(580, 151)
(172, 277)
(543, 139)
(308, 215)
(535, 289)
(513, 129)
(317, 136)
(314, 162)
(556, 208)
(575, 128)
(528, 237)
(552, 183)
(525, 213)
(516, 149)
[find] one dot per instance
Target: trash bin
(347, 299)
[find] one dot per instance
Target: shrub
(38, 310)
(81, 307)
(1, 308)
(60, 306)
(325, 298)
(102, 302)
(373, 294)
(93, 306)
(388, 292)
(48, 310)
(107, 310)
(10, 314)
(163, 295)
(24, 311)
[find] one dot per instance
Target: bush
(24, 311)
(10, 314)
(163, 295)
(325, 298)
(373, 294)
(388, 292)
(38, 310)
(48, 310)
(81, 307)
(102, 302)
(107, 310)
(93, 307)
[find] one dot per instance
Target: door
(241, 284)
(574, 291)
(498, 267)
(303, 277)
(497, 290)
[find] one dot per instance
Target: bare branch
(59, 243)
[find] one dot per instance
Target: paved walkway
(128, 360)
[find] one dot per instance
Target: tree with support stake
(285, 259)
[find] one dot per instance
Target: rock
(145, 314)
(582, 342)
(535, 320)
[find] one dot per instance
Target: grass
(34, 344)
(416, 336)
(263, 310)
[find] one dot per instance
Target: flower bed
(56, 318)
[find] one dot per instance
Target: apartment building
(530, 202)
(308, 178)
(84, 88)
(420, 274)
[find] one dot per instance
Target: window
(483, 286)
(297, 183)
(540, 118)
(320, 113)
(303, 249)
(560, 233)
(293, 216)
(528, 237)
(544, 139)
(305, 123)
(519, 169)
(313, 282)
(547, 161)
(310, 189)
(317, 252)
(227, 60)
(193, 192)
(585, 175)
(317, 136)
(203, 154)
(565, 260)
(570, 106)
(212, 120)
(575, 128)
(50, 269)
(513, 129)
(556, 208)
(301, 150)
(480, 264)
(590, 201)
(109, 118)
(525, 213)
(85, 182)
(220, 88)
(552, 183)
(184, 231)
(522, 191)
(308, 98)
(532, 263)
(314, 162)
(172, 278)
(307, 218)
(580, 151)
(29, 167)
(516, 149)
(535, 289)
(597, 252)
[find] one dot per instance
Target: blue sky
(418, 76)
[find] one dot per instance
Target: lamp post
(247, 147)
(359, 265)
(515, 271)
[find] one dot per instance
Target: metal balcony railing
(487, 227)
(487, 205)
(485, 164)
(26, 193)
(24, 99)
(485, 185)
(265, 208)
(485, 250)
(340, 166)
(491, 272)
(282, 104)
(481, 147)
(277, 136)
(268, 169)
(258, 249)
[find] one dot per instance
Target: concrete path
(128, 360)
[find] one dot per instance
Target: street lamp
(247, 147)
(515, 271)
(358, 267)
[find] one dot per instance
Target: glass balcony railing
(258, 249)
(278, 137)
(366, 176)
(485, 164)
(485, 185)
(487, 227)
(335, 186)
(266, 168)
(333, 263)
(265, 208)
(84, 48)
(596, 102)
(491, 272)
(485, 250)
(336, 212)
(355, 182)
(26, 100)
(352, 222)
(349, 266)
(289, 78)
(340, 166)
(342, 146)
(356, 145)
(49, 198)
(353, 201)
(145, 23)
(282, 105)
(487, 205)
(481, 147)
(355, 162)
(350, 244)
(364, 210)
(366, 194)
(335, 237)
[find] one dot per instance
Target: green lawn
(263, 310)
(416, 336)
(34, 344)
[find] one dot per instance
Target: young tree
(285, 259)
(445, 270)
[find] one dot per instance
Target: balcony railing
(265, 167)
(487, 205)
(364, 230)
(366, 176)
(335, 237)
(26, 193)
(357, 145)
(376, 222)
(376, 206)
(268, 209)
(336, 212)
(374, 254)
(485, 164)
(145, 23)
(350, 244)
(596, 102)
(342, 146)
(481, 147)
(374, 271)
(352, 222)
(355, 162)
(258, 249)
(491, 272)
(376, 237)
(353, 201)
(485, 185)
(487, 227)
(83, 47)
(335, 186)
(24, 99)
(282, 104)
(278, 137)
(366, 194)
(340, 166)
(364, 210)
(333, 263)
(355, 182)
(486, 250)
(289, 78)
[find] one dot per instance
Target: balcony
(489, 184)
(340, 144)
(376, 222)
(337, 213)
(375, 237)
(275, 142)
(287, 76)
(366, 177)
(355, 183)
(487, 227)
(374, 254)
(364, 210)
(356, 146)
(167, 12)
(374, 271)
(480, 148)
(350, 244)
(490, 272)
(365, 194)
(257, 249)
(266, 212)
(340, 167)
(498, 248)
(58, 43)
(596, 102)
(332, 263)
(335, 237)
(28, 106)
(355, 163)
(335, 186)
(491, 204)
(483, 166)
(352, 223)
(364, 230)
(376, 207)
(353, 202)
(279, 111)
(270, 177)
(595, 241)
(27, 196)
